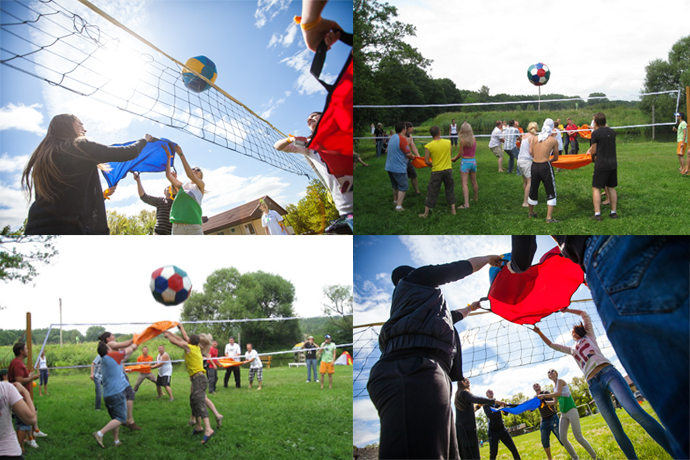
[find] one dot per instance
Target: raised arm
(543, 337)
(173, 180)
(184, 333)
(479, 262)
(550, 344)
(585, 319)
(130, 349)
(120, 345)
(176, 340)
(314, 27)
(100, 153)
(188, 169)
(140, 188)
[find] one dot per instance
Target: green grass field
(599, 436)
(651, 198)
(287, 419)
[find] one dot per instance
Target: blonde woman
(63, 174)
(185, 213)
(569, 416)
(524, 160)
(468, 166)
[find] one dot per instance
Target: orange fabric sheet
(228, 362)
(153, 330)
(585, 134)
(145, 369)
(138, 368)
(572, 161)
(418, 162)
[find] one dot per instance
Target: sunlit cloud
(266, 10)
(22, 117)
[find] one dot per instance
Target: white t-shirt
(341, 187)
(495, 140)
(256, 364)
(271, 220)
(233, 351)
(559, 138)
(166, 369)
(586, 351)
(9, 396)
(193, 190)
(42, 363)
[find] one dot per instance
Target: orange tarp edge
(585, 134)
(138, 368)
(228, 362)
(418, 162)
(572, 161)
(153, 330)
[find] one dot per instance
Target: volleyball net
(493, 345)
(91, 54)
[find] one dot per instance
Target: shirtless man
(542, 171)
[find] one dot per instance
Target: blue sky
(374, 259)
(262, 62)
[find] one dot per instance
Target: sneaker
(613, 215)
(317, 381)
(99, 439)
(596, 217)
(117, 443)
(32, 443)
(39, 434)
(171, 399)
(308, 381)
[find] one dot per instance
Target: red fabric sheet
(544, 288)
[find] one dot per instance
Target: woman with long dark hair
(465, 421)
(63, 174)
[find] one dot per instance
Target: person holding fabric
(571, 129)
(161, 203)
(437, 155)
(232, 350)
(185, 213)
(310, 358)
(114, 386)
(13, 398)
(327, 354)
(165, 369)
(410, 385)
(653, 305)
(542, 171)
(497, 430)
(524, 160)
(603, 151)
(44, 372)
(549, 420)
(603, 380)
(97, 379)
(510, 136)
(569, 416)
(256, 366)
(495, 144)
(340, 186)
(195, 368)
(465, 423)
(315, 28)
(271, 220)
(109, 339)
(145, 372)
(468, 165)
(411, 170)
(63, 173)
(396, 164)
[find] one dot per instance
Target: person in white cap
(327, 361)
(542, 171)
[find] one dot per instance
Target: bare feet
(464, 206)
(424, 216)
(606, 202)
(534, 214)
(525, 205)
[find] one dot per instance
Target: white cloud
(271, 106)
(11, 164)
(306, 83)
(22, 117)
(266, 10)
(286, 39)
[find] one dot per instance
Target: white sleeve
(264, 223)
(278, 216)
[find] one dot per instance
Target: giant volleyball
(203, 66)
(170, 285)
(538, 74)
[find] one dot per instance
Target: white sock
(398, 207)
(597, 213)
(100, 434)
(116, 442)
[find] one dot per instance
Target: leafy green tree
(667, 75)
(482, 425)
(597, 101)
(312, 213)
(93, 332)
(19, 255)
(340, 302)
(139, 224)
(580, 392)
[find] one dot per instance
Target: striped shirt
(163, 205)
(510, 135)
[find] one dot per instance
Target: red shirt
(214, 354)
(18, 369)
(571, 127)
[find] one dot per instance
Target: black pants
(506, 439)
(444, 177)
(413, 399)
(468, 443)
(212, 379)
(234, 370)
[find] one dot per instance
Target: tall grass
(287, 419)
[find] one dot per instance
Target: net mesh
(45, 40)
(490, 347)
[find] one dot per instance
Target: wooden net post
(28, 349)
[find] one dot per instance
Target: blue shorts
(19, 425)
(117, 407)
(468, 165)
(399, 181)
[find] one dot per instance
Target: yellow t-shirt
(193, 360)
(440, 154)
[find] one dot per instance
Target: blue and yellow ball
(203, 66)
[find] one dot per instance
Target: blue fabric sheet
(151, 159)
(532, 404)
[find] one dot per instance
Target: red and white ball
(170, 285)
(538, 74)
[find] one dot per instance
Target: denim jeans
(608, 381)
(640, 287)
(212, 379)
(311, 364)
(99, 392)
(379, 147)
(547, 426)
(566, 144)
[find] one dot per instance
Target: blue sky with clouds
(262, 62)
(374, 259)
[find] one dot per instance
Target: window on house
(250, 228)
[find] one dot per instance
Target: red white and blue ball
(170, 285)
(538, 74)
